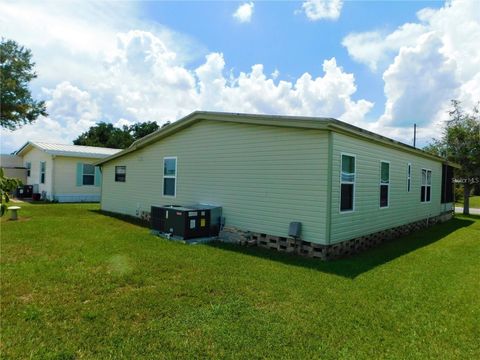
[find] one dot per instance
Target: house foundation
(326, 252)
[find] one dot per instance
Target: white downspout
(53, 176)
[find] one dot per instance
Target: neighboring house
(341, 182)
(12, 166)
(64, 173)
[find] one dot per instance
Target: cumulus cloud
(172, 90)
(71, 111)
(322, 9)
(142, 75)
(244, 12)
(425, 65)
(376, 49)
(419, 83)
(257, 92)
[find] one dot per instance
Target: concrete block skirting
(326, 252)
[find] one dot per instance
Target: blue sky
(283, 40)
(378, 65)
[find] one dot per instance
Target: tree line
(106, 135)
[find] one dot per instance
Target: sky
(382, 66)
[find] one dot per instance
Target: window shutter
(79, 174)
(98, 176)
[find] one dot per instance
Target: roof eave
(24, 146)
(342, 127)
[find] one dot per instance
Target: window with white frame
(169, 176)
(28, 165)
(347, 183)
(43, 168)
(426, 188)
(384, 183)
(409, 177)
(120, 173)
(88, 174)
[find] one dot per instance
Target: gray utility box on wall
(187, 222)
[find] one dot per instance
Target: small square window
(120, 173)
(169, 187)
(346, 203)
(169, 167)
(88, 174)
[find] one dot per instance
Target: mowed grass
(79, 284)
(474, 202)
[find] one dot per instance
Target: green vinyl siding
(264, 177)
(403, 206)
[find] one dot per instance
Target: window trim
(426, 185)
(125, 175)
(388, 186)
(409, 177)
(169, 176)
(83, 175)
(354, 183)
(28, 165)
(43, 172)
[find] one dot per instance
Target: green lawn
(474, 202)
(79, 284)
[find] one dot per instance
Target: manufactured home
(63, 173)
(339, 181)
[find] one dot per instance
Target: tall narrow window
(347, 183)
(384, 183)
(169, 176)
(409, 177)
(28, 165)
(88, 174)
(426, 189)
(43, 167)
(120, 173)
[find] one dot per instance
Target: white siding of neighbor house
(35, 156)
(65, 181)
(61, 177)
(12, 166)
(264, 177)
(10, 161)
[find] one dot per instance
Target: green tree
(105, 135)
(6, 185)
(17, 107)
(140, 130)
(460, 143)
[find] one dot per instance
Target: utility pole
(414, 135)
